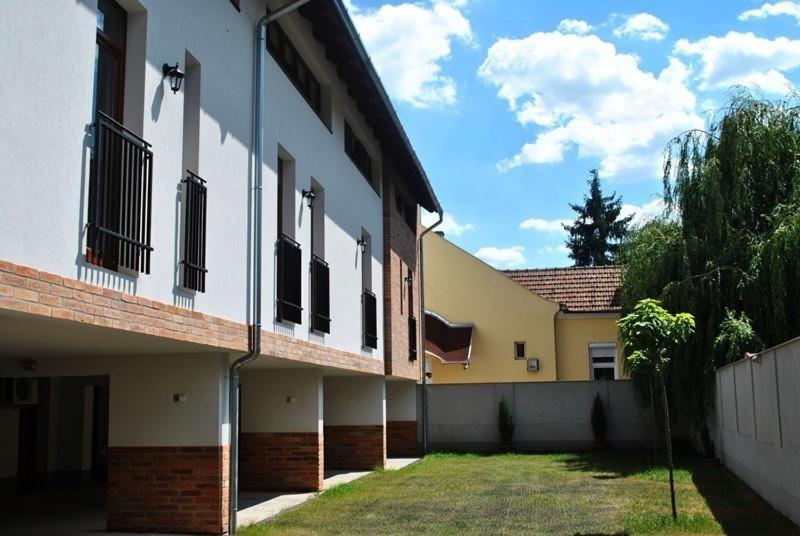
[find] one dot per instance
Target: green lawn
(594, 493)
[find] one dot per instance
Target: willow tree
(730, 251)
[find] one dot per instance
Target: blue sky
(509, 103)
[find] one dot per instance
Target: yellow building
(485, 325)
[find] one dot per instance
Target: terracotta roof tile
(591, 289)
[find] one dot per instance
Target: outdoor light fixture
(309, 196)
(175, 74)
(361, 243)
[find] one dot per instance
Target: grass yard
(592, 493)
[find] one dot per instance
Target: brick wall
(281, 461)
(356, 447)
(168, 489)
(401, 438)
(28, 290)
(400, 253)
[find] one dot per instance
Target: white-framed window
(519, 350)
(603, 361)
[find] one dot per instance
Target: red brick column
(168, 489)
(355, 447)
(281, 461)
(401, 438)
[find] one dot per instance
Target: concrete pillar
(355, 422)
(401, 419)
(281, 440)
(168, 454)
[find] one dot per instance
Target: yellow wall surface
(462, 288)
(574, 334)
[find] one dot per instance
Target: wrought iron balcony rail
(320, 295)
(288, 280)
(369, 319)
(195, 195)
(120, 198)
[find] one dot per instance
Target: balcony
(194, 233)
(288, 308)
(120, 198)
(320, 295)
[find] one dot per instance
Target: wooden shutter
(370, 319)
(289, 269)
(320, 295)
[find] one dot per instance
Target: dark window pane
(603, 373)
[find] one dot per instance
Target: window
(194, 233)
(355, 149)
(410, 214)
(519, 350)
(603, 361)
(288, 262)
(369, 305)
(412, 320)
(286, 55)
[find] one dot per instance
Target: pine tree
(597, 231)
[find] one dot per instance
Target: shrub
(599, 425)
(505, 422)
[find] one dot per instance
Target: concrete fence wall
(757, 425)
(547, 415)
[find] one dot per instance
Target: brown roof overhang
(343, 47)
(450, 342)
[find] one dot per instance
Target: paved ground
(82, 512)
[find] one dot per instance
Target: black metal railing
(120, 198)
(320, 295)
(412, 338)
(369, 308)
(288, 280)
(194, 232)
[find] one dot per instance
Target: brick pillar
(274, 461)
(355, 423)
(168, 489)
(168, 457)
(401, 439)
(281, 447)
(401, 417)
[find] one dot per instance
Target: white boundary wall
(547, 415)
(757, 429)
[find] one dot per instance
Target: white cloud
(643, 214)
(500, 258)
(743, 59)
(575, 26)
(554, 249)
(586, 95)
(408, 43)
(449, 225)
(642, 26)
(790, 9)
(544, 226)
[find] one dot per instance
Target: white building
(128, 250)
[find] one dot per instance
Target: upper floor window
(603, 361)
(519, 350)
(355, 149)
(286, 55)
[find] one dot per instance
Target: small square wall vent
(533, 364)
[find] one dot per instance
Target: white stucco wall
(401, 401)
(355, 400)
(281, 401)
(46, 105)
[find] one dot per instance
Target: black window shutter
(320, 297)
(412, 338)
(289, 270)
(370, 319)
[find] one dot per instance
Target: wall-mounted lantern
(309, 196)
(362, 244)
(175, 75)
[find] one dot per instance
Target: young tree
(597, 231)
(650, 334)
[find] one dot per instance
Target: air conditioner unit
(533, 365)
(26, 391)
